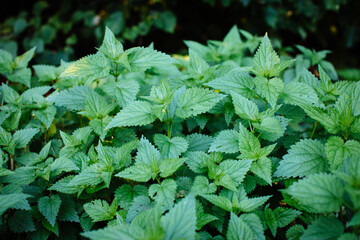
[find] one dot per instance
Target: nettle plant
(133, 144)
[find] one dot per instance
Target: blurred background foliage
(68, 29)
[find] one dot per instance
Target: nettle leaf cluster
(136, 144)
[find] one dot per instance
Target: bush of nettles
(229, 142)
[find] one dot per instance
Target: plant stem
(11, 162)
(266, 105)
(169, 129)
(313, 130)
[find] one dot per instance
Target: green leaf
(14, 201)
(202, 218)
(21, 176)
(124, 90)
(262, 169)
(250, 204)
(9, 94)
(140, 204)
(295, 232)
(146, 152)
(21, 222)
(22, 75)
(195, 101)
(270, 220)
(67, 210)
(5, 137)
(300, 94)
(166, 21)
(23, 137)
(238, 229)
(202, 186)
(73, 98)
(355, 220)
(100, 210)
(329, 121)
(355, 97)
(63, 186)
(137, 113)
(197, 66)
(99, 125)
(169, 166)
(266, 61)
(49, 207)
(46, 116)
(270, 128)
(249, 145)
(90, 68)
(141, 58)
(62, 165)
(111, 47)
(244, 108)
(23, 60)
(125, 194)
(164, 193)
(323, 228)
(219, 201)
(198, 142)
(337, 151)
(322, 192)
(237, 81)
(5, 61)
(180, 221)
(32, 94)
(125, 232)
(170, 148)
(285, 216)
(226, 141)
(237, 169)
(123, 154)
(139, 172)
(46, 73)
(255, 225)
(303, 158)
(96, 106)
(269, 89)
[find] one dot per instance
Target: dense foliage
(229, 142)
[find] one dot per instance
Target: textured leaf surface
(323, 228)
(238, 229)
(244, 107)
(337, 151)
(195, 101)
(141, 59)
(90, 68)
(164, 193)
(100, 210)
(23, 137)
(226, 141)
(73, 98)
(139, 172)
(49, 207)
(303, 158)
(201, 186)
(322, 192)
(180, 221)
(239, 82)
(170, 148)
(137, 113)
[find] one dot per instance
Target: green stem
(313, 130)
(266, 105)
(169, 129)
